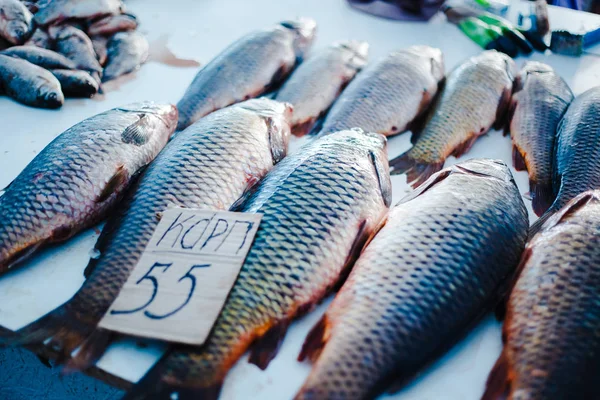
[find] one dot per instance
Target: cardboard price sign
(178, 288)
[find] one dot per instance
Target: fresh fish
(76, 83)
(319, 206)
(577, 153)
(431, 272)
(57, 11)
(77, 46)
(389, 94)
(44, 58)
(552, 329)
(541, 98)
(16, 21)
(39, 38)
(209, 165)
(31, 6)
(127, 51)
(318, 81)
(77, 179)
(248, 68)
(112, 24)
(475, 98)
(29, 84)
(100, 43)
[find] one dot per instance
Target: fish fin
(303, 128)
(315, 340)
(498, 383)
(509, 115)
(542, 196)
(383, 177)
(465, 146)
(275, 83)
(318, 125)
(265, 348)
(59, 330)
(240, 203)
(416, 172)
(537, 225)
(89, 269)
(137, 133)
(554, 218)
(502, 110)
(90, 351)
(505, 290)
(5, 188)
(518, 159)
(21, 256)
(119, 178)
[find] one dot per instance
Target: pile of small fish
(419, 274)
(53, 49)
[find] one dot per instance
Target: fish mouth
(19, 32)
(305, 30)
(53, 99)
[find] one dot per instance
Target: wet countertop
(198, 30)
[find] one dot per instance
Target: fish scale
(281, 279)
(64, 188)
(552, 329)
(431, 271)
(577, 154)
(210, 165)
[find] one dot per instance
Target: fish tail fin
(61, 331)
(153, 386)
(90, 351)
(542, 196)
(265, 348)
(497, 386)
(416, 172)
(315, 340)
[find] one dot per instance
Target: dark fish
(44, 58)
(247, 68)
(127, 51)
(317, 82)
(99, 43)
(430, 273)
(16, 21)
(552, 329)
(29, 84)
(57, 11)
(112, 24)
(76, 83)
(319, 206)
(475, 98)
(77, 46)
(387, 96)
(209, 165)
(77, 179)
(577, 152)
(540, 99)
(39, 38)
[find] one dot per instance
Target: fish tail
(315, 340)
(416, 172)
(61, 331)
(542, 196)
(90, 351)
(153, 386)
(498, 384)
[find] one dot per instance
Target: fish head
(485, 167)
(359, 51)
(278, 116)
(434, 57)
(166, 114)
(49, 95)
(304, 30)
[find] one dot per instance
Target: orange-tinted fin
(502, 110)
(416, 172)
(59, 330)
(265, 348)
(303, 128)
(465, 146)
(90, 351)
(542, 196)
(21, 256)
(498, 384)
(518, 159)
(116, 182)
(315, 340)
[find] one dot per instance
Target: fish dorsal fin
(428, 184)
(383, 176)
(571, 207)
(119, 178)
(137, 133)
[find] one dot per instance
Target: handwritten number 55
(155, 284)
